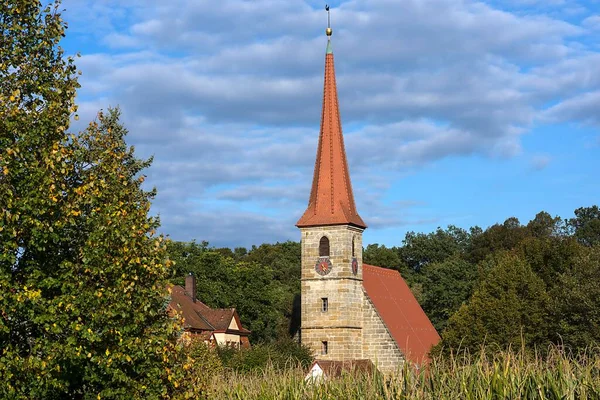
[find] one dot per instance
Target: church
(350, 311)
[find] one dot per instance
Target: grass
(503, 375)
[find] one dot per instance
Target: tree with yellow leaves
(83, 277)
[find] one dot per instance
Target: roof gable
(199, 316)
(190, 310)
(233, 324)
(403, 316)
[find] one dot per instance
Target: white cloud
(540, 161)
(592, 22)
(582, 108)
(227, 96)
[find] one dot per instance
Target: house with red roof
(350, 311)
(215, 326)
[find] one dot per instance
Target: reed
(502, 375)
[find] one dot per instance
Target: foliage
(508, 308)
(421, 249)
(381, 256)
(282, 354)
(282, 258)
(505, 375)
(550, 256)
(586, 225)
(85, 295)
(198, 364)
(446, 286)
(497, 237)
(443, 269)
(82, 276)
(544, 225)
(575, 302)
(263, 302)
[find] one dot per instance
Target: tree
(506, 236)
(544, 225)
(509, 307)
(586, 225)
(263, 302)
(446, 286)
(575, 302)
(82, 277)
(420, 249)
(549, 257)
(381, 256)
(284, 259)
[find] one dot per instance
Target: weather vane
(329, 31)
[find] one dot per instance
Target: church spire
(331, 200)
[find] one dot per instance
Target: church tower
(332, 268)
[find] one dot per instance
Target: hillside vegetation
(510, 284)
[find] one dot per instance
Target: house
(350, 310)
(216, 326)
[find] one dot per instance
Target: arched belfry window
(324, 247)
(353, 251)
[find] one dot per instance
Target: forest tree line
(511, 284)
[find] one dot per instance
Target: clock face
(323, 266)
(354, 266)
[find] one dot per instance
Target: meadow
(500, 375)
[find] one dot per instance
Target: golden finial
(328, 31)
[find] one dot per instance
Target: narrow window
(324, 304)
(324, 247)
(353, 252)
(324, 348)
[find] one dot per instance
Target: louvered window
(324, 247)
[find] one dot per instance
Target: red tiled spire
(331, 200)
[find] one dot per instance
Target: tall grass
(504, 375)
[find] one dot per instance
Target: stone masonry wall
(341, 325)
(352, 327)
(378, 345)
(340, 244)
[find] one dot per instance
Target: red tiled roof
(403, 316)
(199, 316)
(182, 303)
(336, 368)
(331, 200)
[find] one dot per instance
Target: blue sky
(454, 111)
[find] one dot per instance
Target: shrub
(197, 364)
(285, 353)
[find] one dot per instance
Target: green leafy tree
(381, 256)
(421, 249)
(498, 237)
(263, 302)
(82, 277)
(283, 258)
(446, 286)
(586, 225)
(509, 307)
(549, 257)
(575, 302)
(544, 225)
(285, 261)
(285, 353)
